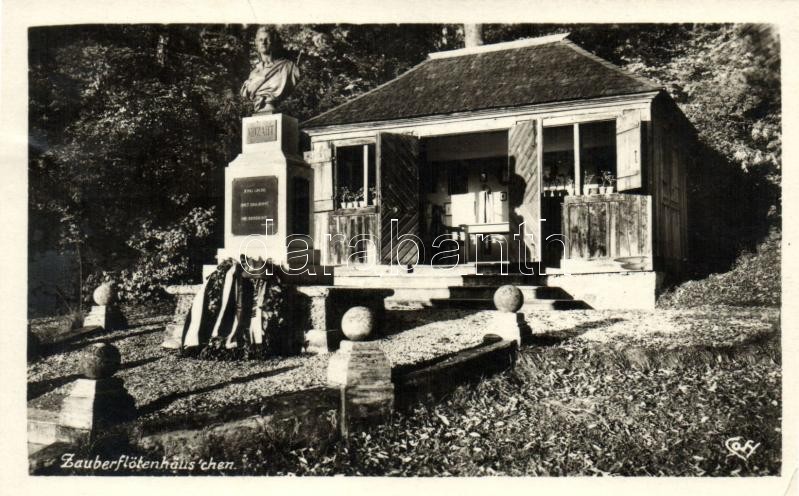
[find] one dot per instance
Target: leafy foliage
(753, 281)
(131, 126)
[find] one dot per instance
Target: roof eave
(487, 113)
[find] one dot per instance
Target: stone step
(399, 281)
(430, 281)
(427, 295)
(42, 426)
(485, 304)
(497, 280)
(529, 292)
(35, 447)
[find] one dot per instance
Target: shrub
(167, 255)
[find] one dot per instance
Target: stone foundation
(612, 291)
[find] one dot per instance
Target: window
(356, 174)
(558, 158)
(598, 152)
(595, 157)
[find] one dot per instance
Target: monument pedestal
(268, 194)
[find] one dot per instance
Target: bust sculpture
(272, 78)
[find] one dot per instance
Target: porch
(471, 198)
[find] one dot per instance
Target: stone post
(105, 313)
(508, 322)
(362, 372)
(97, 401)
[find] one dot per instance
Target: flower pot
(361, 203)
(349, 204)
(610, 189)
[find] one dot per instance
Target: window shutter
(524, 189)
(398, 180)
(628, 150)
(320, 158)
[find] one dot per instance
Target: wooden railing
(607, 227)
(346, 228)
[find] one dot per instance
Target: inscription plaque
(254, 201)
(261, 132)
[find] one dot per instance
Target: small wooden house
(532, 152)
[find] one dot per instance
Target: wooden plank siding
(350, 230)
(607, 226)
(671, 151)
(398, 197)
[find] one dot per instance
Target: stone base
(93, 405)
(636, 290)
(109, 317)
(358, 363)
(173, 334)
(363, 373)
(323, 342)
(510, 326)
(184, 297)
(366, 404)
(321, 307)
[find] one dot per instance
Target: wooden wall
(607, 226)
(671, 151)
(359, 230)
(667, 143)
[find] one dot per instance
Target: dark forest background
(131, 126)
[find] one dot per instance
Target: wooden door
(398, 190)
(524, 189)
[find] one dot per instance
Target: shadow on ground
(164, 401)
(397, 321)
(554, 339)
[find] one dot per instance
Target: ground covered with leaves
(599, 392)
(754, 280)
(576, 406)
(585, 400)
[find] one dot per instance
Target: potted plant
(358, 198)
(608, 182)
(570, 186)
(371, 199)
(589, 185)
(345, 196)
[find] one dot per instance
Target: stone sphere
(508, 298)
(358, 323)
(101, 360)
(105, 293)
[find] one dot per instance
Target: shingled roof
(502, 75)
